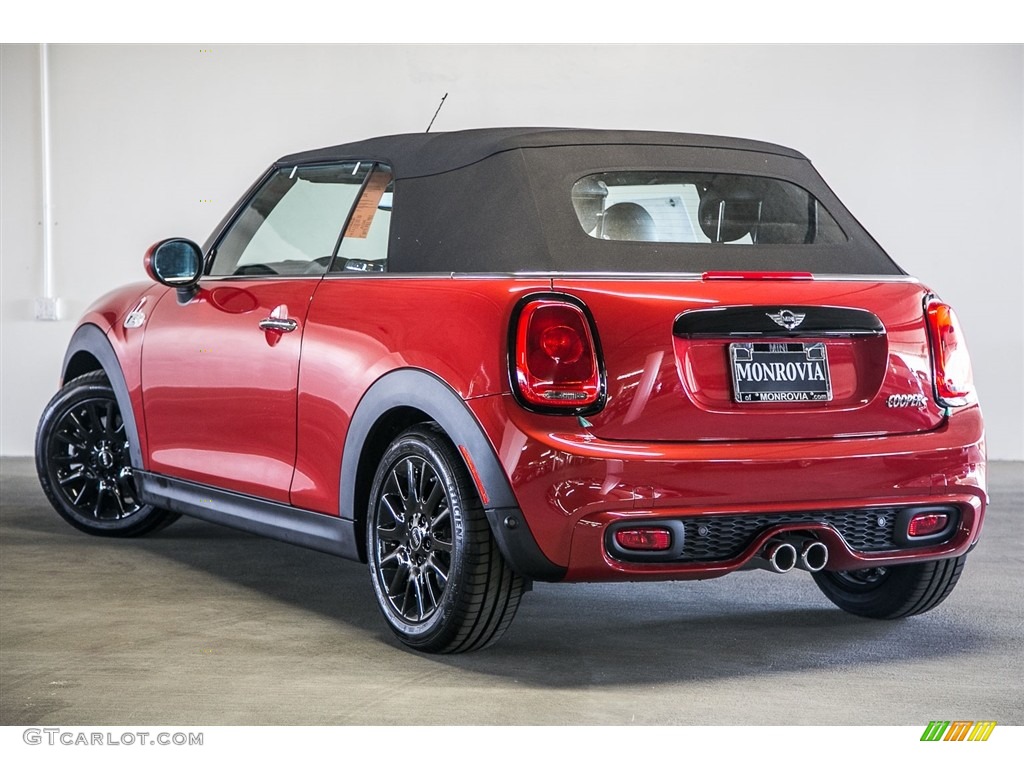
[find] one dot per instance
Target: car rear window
(701, 208)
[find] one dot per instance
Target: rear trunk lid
(764, 358)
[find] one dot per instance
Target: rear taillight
(555, 358)
(954, 383)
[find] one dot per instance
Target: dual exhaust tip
(780, 556)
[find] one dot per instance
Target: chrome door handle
(280, 324)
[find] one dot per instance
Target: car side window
(364, 246)
(292, 224)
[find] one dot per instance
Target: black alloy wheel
(440, 580)
(892, 592)
(862, 581)
(414, 538)
(84, 464)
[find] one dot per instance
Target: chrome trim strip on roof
(673, 276)
(677, 276)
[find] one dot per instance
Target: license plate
(776, 372)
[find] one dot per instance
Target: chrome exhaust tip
(780, 556)
(813, 556)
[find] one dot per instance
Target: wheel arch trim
(90, 339)
(423, 391)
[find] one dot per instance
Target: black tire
(84, 466)
(440, 580)
(892, 593)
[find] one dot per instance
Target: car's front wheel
(440, 580)
(892, 592)
(83, 463)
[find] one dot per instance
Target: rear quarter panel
(362, 327)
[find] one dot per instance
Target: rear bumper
(572, 486)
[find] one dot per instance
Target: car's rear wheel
(440, 580)
(83, 462)
(892, 592)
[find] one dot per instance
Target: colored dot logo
(958, 730)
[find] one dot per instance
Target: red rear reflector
(476, 476)
(757, 276)
(926, 525)
(645, 539)
(954, 381)
(555, 356)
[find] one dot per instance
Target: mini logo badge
(785, 318)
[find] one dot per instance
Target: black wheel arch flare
(425, 393)
(90, 340)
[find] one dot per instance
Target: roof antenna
(435, 113)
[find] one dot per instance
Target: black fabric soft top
(424, 154)
(499, 200)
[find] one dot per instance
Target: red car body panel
(571, 485)
(209, 359)
(665, 388)
(362, 328)
(107, 314)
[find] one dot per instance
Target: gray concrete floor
(203, 625)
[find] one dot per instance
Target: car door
(219, 373)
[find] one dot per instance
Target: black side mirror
(177, 263)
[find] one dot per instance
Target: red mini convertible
(477, 359)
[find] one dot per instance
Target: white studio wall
(925, 144)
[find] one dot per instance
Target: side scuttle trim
(324, 533)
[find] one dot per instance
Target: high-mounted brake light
(555, 357)
(954, 381)
(721, 275)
